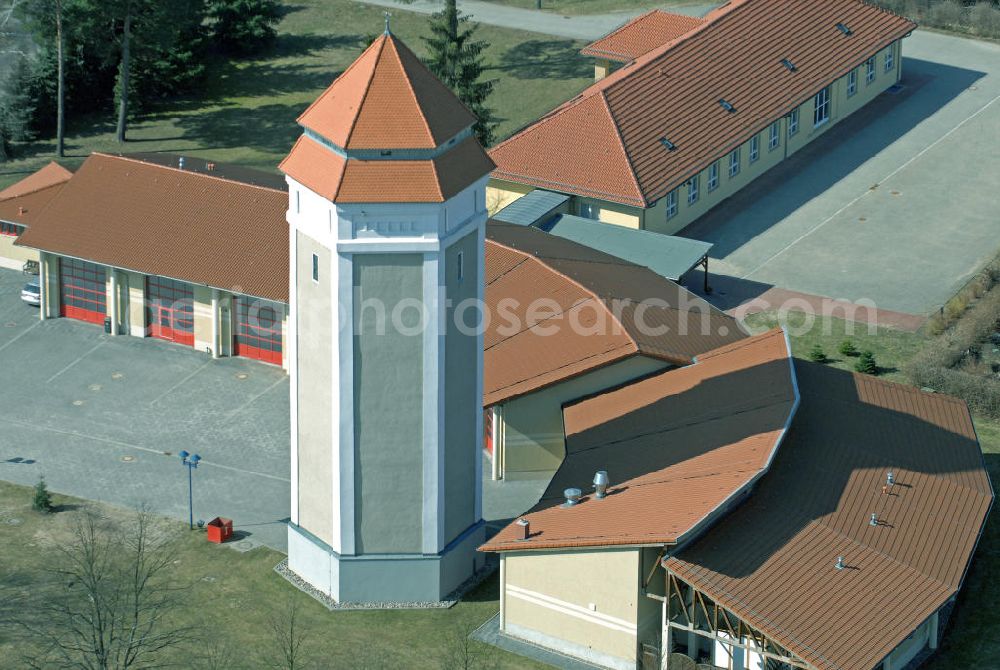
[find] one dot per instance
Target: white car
(32, 293)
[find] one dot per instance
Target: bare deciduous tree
(289, 640)
(108, 599)
(461, 652)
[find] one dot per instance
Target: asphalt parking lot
(897, 204)
(103, 418)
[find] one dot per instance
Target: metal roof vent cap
(873, 521)
(572, 497)
(601, 484)
(180, 163)
(840, 563)
(524, 529)
(890, 478)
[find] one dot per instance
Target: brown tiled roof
(581, 286)
(346, 180)
(387, 99)
(163, 221)
(50, 175)
(641, 35)
(23, 209)
(606, 143)
(771, 562)
(677, 446)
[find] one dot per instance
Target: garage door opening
(258, 329)
(170, 310)
(82, 291)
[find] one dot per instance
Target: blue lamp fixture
(191, 461)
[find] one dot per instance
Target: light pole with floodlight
(191, 461)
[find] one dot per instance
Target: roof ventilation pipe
(523, 529)
(873, 521)
(890, 478)
(601, 484)
(572, 497)
(840, 563)
(180, 163)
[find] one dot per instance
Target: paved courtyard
(103, 418)
(897, 204)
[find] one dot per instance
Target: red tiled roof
(605, 142)
(641, 35)
(341, 179)
(591, 302)
(23, 209)
(50, 175)
(677, 446)
(771, 562)
(158, 220)
(387, 99)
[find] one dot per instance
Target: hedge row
(973, 18)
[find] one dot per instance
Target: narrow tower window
(460, 270)
(315, 268)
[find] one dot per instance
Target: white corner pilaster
(113, 305)
(343, 409)
(432, 537)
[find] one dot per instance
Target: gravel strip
(332, 605)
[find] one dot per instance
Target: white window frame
(852, 82)
(821, 108)
(693, 189)
(713, 176)
(734, 162)
(793, 122)
(774, 136)
(870, 70)
(890, 59)
(672, 204)
(754, 148)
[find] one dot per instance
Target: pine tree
(42, 500)
(866, 364)
(456, 59)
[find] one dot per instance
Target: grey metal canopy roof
(666, 255)
(532, 208)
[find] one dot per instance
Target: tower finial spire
(387, 17)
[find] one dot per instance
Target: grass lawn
(245, 111)
(577, 7)
(232, 596)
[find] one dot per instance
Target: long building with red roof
(683, 126)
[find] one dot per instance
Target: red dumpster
(220, 530)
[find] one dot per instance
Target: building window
(793, 122)
(298, 202)
(852, 82)
(460, 269)
(734, 162)
(10, 229)
(713, 176)
(774, 136)
(870, 70)
(315, 268)
(672, 204)
(754, 148)
(890, 61)
(589, 211)
(821, 107)
(693, 190)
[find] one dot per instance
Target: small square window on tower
(315, 268)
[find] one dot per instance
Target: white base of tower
(385, 578)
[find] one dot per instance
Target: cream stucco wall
(608, 212)
(13, 257)
(500, 193)
(203, 318)
(532, 443)
(584, 603)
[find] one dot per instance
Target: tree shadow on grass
(269, 128)
(544, 59)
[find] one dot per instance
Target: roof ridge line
(549, 318)
(624, 150)
(416, 100)
(561, 367)
(35, 190)
(368, 87)
(186, 172)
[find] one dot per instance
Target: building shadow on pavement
(926, 87)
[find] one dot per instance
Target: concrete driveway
(103, 418)
(897, 204)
